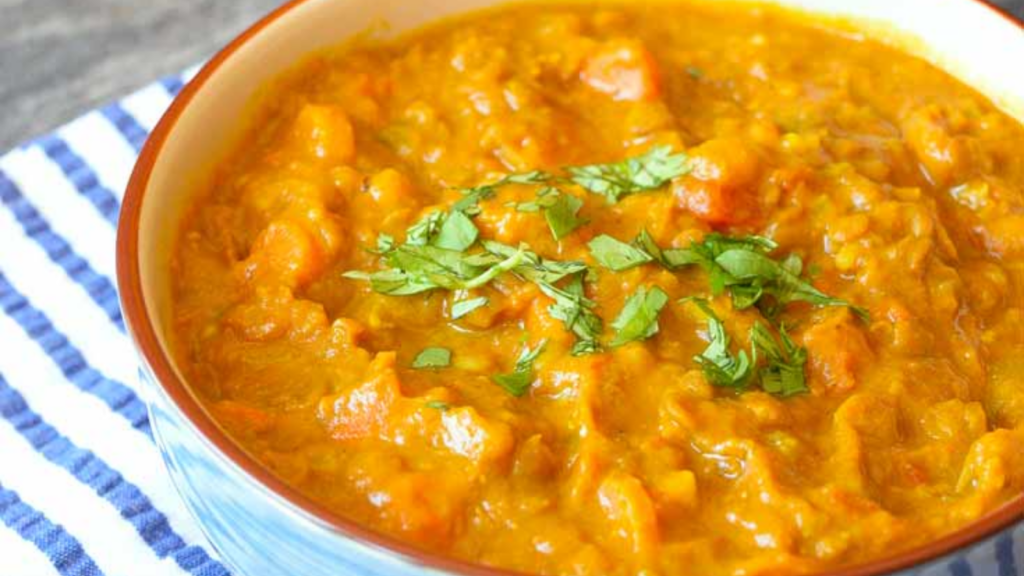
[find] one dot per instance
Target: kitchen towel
(83, 489)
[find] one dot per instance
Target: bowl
(261, 526)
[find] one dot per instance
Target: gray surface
(59, 58)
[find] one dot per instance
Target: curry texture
(901, 189)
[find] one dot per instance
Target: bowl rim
(142, 331)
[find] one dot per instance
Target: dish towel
(83, 489)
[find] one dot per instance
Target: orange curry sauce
(901, 190)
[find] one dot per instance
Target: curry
(658, 289)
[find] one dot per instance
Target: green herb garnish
(534, 268)
(457, 233)
(518, 382)
(741, 265)
(563, 216)
(417, 269)
(438, 405)
(616, 255)
(638, 319)
(546, 197)
(385, 244)
(783, 374)
(433, 357)
(615, 180)
(720, 366)
(464, 307)
(423, 232)
(576, 311)
(752, 275)
(469, 204)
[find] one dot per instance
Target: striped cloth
(83, 490)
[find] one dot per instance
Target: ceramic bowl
(262, 527)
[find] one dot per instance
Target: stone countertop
(59, 58)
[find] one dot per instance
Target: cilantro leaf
(469, 204)
(457, 233)
(638, 319)
(417, 269)
(753, 275)
(422, 232)
(433, 357)
(518, 382)
(720, 366)
(534, 268)
(464, 307)
(562, 216)
(576, 311)
(783, 374)
(533, 177)
(616, 255)
(743, 265)
(385, 244)
(648, 171)
(546, 197)
(438, 405)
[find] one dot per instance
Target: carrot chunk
(623, 69)
(325, 132)
(837, 348)
(284, 253)
(628, 505)
(720, 187)
(364, 411)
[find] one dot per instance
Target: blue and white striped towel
(83, 490)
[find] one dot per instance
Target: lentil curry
(621, 289)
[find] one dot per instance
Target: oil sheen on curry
(646, 290)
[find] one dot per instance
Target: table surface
(59, 58)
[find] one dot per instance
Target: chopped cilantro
(744, 267)
(469, 204)
(648, 171)
(457, 233)
(576, 311)
(433, 358)
(534, 268)
(721, 367)
(464, 307)
(563, 216)
(638, 319)
(423, 232)
(385, 244)
(546, 197)
(616, 255)
(518, 382)
(753, 275)
(438, 405)
(416, 269)
(783, 373)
